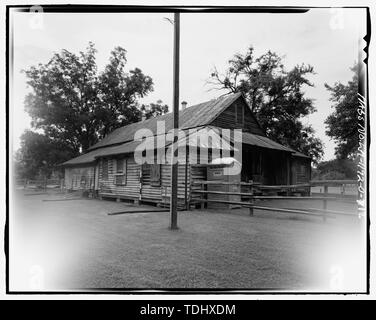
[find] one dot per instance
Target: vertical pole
(325, 204)
(140, 178)
(186, 178)
(174, 165)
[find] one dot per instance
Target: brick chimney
(183, 105)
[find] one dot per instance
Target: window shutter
(155, 175)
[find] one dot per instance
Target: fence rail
(255, 188)
(40, 183)
(332, 182)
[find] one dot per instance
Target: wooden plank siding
(300, 170)
(149, 191)
(166, 182)
(138, 182)
(79, 177)
(107, 186)
(238, 116)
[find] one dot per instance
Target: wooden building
(109, 167)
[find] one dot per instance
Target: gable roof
(121, 140)
(194, 116)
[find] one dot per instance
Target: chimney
(183, 105)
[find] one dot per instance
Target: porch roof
(263, 142)
(130, 147)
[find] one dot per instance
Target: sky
(327, 39)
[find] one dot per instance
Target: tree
(154, 109)
(342, 124)
(275, 96)
(119, 92)
(74, 104)
(39, 155)
(336, 169)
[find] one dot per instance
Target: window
(120, 178)
(104, 169)
(120, 165)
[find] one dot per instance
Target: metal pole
(174, 165)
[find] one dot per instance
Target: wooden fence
(251, 192)
(41, 184)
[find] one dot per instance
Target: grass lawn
(76, 245)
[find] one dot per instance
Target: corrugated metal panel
(129, 147)
(85, 158)
(215, 142)
(91, 156)
(263, 142)
(194, 116)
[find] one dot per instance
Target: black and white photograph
(185, 149)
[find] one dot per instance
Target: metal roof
(263, 142)
(91, 156)
(121, 140)
(193, 138)
(215, 142)
(194, 116)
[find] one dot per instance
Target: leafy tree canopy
(336, 169)
(342, 124)
(154, 109)
(70, 101)
(276, 97)
(39, 155)
(75, 105)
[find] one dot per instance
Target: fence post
(325, 202)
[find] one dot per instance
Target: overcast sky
(328, 40)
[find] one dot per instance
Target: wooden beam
(285, 210)
(321, 198)
(332, 182)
